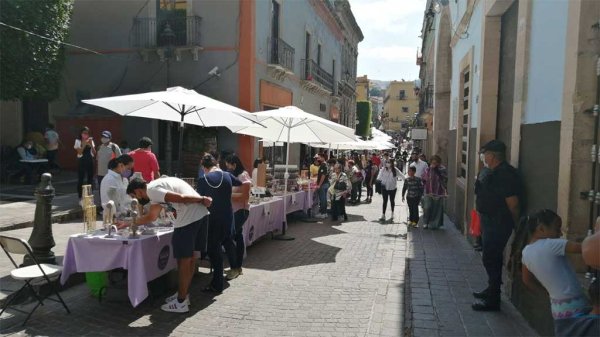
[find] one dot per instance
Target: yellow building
(362, 88)
(399, 105)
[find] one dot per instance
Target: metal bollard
(41, 239)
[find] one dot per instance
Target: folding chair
(34, 275)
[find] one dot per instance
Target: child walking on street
(545, 258)
(414, 186)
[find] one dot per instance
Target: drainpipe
(594, 194)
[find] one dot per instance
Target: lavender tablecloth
(296, 201)
(264, 218)
(145, 258)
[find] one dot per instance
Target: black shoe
(488, 304)
(211, 289)
(481, 294)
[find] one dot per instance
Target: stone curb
(57, 217)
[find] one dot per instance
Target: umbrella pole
(286, 176)
(180, 164)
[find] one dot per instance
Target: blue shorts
(185, 239)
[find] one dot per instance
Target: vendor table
(268, 216)
(146, 258)
(264, 217)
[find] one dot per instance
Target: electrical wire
(235, 61)
(49, 39)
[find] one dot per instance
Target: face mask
(104, 140)
(28, 147)
(126, 173)
(144, 201)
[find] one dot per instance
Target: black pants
(338, 208)
(369, 189)
(356, 191)
(99, 180)
(239, 218)
(391, 194)
(495, 232)
(413, 209)
(219, 235)
(51, 154)
(85, 169)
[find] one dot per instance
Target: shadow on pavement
(111, 317)
(294, 253)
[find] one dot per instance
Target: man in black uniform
(498, 204)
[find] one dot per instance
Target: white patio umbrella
(293, 125)
(177, 104)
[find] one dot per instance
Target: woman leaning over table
(85, 148)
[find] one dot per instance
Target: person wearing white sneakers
(389, 176)
(191, 210)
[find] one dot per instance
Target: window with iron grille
(463, 123)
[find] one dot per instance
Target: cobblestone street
(332, 280)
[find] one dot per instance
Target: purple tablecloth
(264, 217)
(145, 258)
(296, 201)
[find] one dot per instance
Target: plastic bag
(475, 226)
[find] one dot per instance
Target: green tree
(363, 114)
(375, 92)
(31, 66)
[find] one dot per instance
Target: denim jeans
(323, 198)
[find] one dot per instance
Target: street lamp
(167, 36)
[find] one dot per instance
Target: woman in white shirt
(389, 176)
(85, 147)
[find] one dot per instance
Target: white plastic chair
(33, 275)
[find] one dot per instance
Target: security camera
(214, 72)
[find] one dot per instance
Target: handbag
(475, 226)
(378, 186)
(340, 186)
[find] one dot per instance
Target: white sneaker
(175, 306)
(174, 298)
(382, 218)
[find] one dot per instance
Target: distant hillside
(381, 84)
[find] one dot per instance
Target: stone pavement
(442, 272)
(335, 279)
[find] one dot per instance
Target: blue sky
(391, 29)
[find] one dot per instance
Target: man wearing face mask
(106, 151)
(498, 192)
(191, 210)
(119, 171)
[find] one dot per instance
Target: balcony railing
(281, 53)
(150, 32)
(312, 71)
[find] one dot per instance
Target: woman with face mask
(389, 176)
(114, 185)
(85, 148)
(106, 152)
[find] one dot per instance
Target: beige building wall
(362, 88)
(400, 105)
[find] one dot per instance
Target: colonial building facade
(268, 54)
(524, 72)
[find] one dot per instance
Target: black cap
(494, 146)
